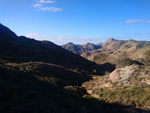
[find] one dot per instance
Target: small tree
(94, 72)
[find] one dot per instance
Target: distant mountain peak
(111, 39)
(89, 43)
(70, 43)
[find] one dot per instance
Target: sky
(77, 21)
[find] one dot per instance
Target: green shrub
(94, 72)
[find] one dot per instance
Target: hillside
(129, 83)
(21, 49)
(34, 88)
(115, 50)
(111, 51)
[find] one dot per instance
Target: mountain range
(79, 49)
(112, 50)
(42, 77)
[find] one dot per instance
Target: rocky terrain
(129, 83)
(115, 50)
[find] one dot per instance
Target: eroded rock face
(120, 74)
(114, 75)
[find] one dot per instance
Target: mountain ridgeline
(112, 50)
(21, 49)
(110, 44)
(79, 49)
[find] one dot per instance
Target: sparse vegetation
(134, 96)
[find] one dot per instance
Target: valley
(42, 77)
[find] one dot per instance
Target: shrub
(94, 72)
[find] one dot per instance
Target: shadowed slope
(22, 49)
(21, 91)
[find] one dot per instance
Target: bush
(94, 72)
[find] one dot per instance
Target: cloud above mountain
(62, 39)
(52, 9)
(134, 21)
(46, 1)
(32, 35)
(37, 5)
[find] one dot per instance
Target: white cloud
(63, 39)
(68, 38)
(148, 21)
(40, 4)
(32, 35)
(51, 9)
(37, 5)
(134, 21)
(46, 1)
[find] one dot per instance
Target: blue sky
(77, 21)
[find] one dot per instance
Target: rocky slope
(129, 85)
(115, 50)
(112, 50)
